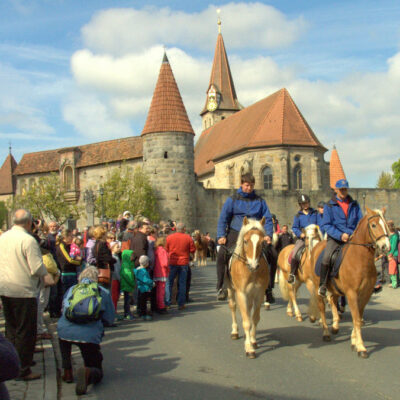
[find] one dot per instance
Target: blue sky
(75, 72)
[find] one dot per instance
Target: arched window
(68, 178)
(297, 177)
(22, 185)
(267, 177)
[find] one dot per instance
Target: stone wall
(284, 203)
(168, 159)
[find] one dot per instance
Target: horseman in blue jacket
(306, 216)
(245, 203)
(341, 217)
(320, 215)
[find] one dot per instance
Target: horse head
(313, 236)
(250, 242)
(378, 229)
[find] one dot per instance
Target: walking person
(245, 203)
(21, 270)
(179, 247)
(393, 255)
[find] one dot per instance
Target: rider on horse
(245, 203)
(306, 216)
(341, 217)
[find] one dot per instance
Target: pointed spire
(336, 171)
(7, 180)
(165, 58)
(221, 78)
(167, 112)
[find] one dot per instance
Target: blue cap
(342, 184)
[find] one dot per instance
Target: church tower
(336, 170)
(221, 100)
(168, 154)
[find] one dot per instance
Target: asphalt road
(189, 355)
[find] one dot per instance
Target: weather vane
(9, 146)
(219, 20)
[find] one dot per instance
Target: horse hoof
(340, 317)
(312, 319)
(290, 314)
(234, 336)
(299, 319)
(251, 354)
(334, 330)
(353, 347)
(326, 338)
(255, 345)
(267, 306)
(363, 354)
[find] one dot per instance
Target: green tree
(3, 213)
(127, 188)
(45, 199)
(396, 174)
(385, 181)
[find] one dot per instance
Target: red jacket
(161, 266)
(179, 246)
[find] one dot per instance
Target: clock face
(212, 104)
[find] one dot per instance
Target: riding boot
(293, 269)
(323, 280)
(270, 296)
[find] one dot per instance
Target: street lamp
(364, 195)
(101, 191)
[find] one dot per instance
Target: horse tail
(283, 286)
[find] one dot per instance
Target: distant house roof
(273, 121)
(221, 78)
(89, 155)
(7, 184)
(336, 171)
(167, 112)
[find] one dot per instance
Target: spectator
(285, 238)
(90, 258)
(104, 258)
(124, 221)
(393, 254)
(139, 243)
(116, 277)
(127, 281)
(161, 273)
(21, 271)
(179, 246)
(86, 336)
(55, 299)
(145, 284)
(9, 365)
(129, 233)
(68, 266)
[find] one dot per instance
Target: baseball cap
(342, 184)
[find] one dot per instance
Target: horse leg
(335, 315)
(321, 305)
(232, 306)
(256, 318)
(289, 310)
(312, 306)
(356, 338)
(297, 311)
(245, 308)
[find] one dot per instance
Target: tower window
(165, 154)
(267, 178)
(68, 178)
(298, 177)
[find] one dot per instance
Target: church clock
(212, 99)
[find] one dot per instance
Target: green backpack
(84, 303)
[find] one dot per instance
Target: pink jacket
(161, 267)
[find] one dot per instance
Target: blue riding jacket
(302, 220)
(319, 223)
(243, 205)
(334, 221)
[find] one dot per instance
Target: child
(75, 251)
(127, 281)
(145, 284)
(115, 283)
(161, 273)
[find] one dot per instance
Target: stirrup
(291, 279)
(322, 291)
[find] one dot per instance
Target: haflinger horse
(201, 244)
(249, 278)
(357, 274)
(313, 236)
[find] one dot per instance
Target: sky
(83, 71)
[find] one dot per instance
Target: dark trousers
(188, 283)
(223, 256)
(91, 355)
(331, 246)
(272, 257)
(55, 300)
(127, 304)
(67, 282)
(21, 323)
(143, 297)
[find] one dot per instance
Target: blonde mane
(252, 224)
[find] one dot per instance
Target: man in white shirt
(21, 272)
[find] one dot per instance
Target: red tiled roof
(221, 78)
(273, 121)
(167, 112)
(7, 184)
(336, 171)
(89, 155)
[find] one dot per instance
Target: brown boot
(68, 377)
(82, 380)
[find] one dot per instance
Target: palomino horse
(201, 244)
(357, 274)
(289, 291)
(249, 278)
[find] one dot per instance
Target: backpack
(84, 303)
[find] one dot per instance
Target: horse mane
(312, 227)
(252, 224)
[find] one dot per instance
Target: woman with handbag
(104, 259)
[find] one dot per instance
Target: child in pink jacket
(161, 273)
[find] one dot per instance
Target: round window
(297, 158)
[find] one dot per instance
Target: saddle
(334, 264)
(296, 256)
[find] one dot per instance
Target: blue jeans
(68, 281)
(181, 271)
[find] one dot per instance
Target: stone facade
(168, 160)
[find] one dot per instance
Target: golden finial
(219, 20)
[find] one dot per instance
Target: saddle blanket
(298, 255)
(335, 262)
